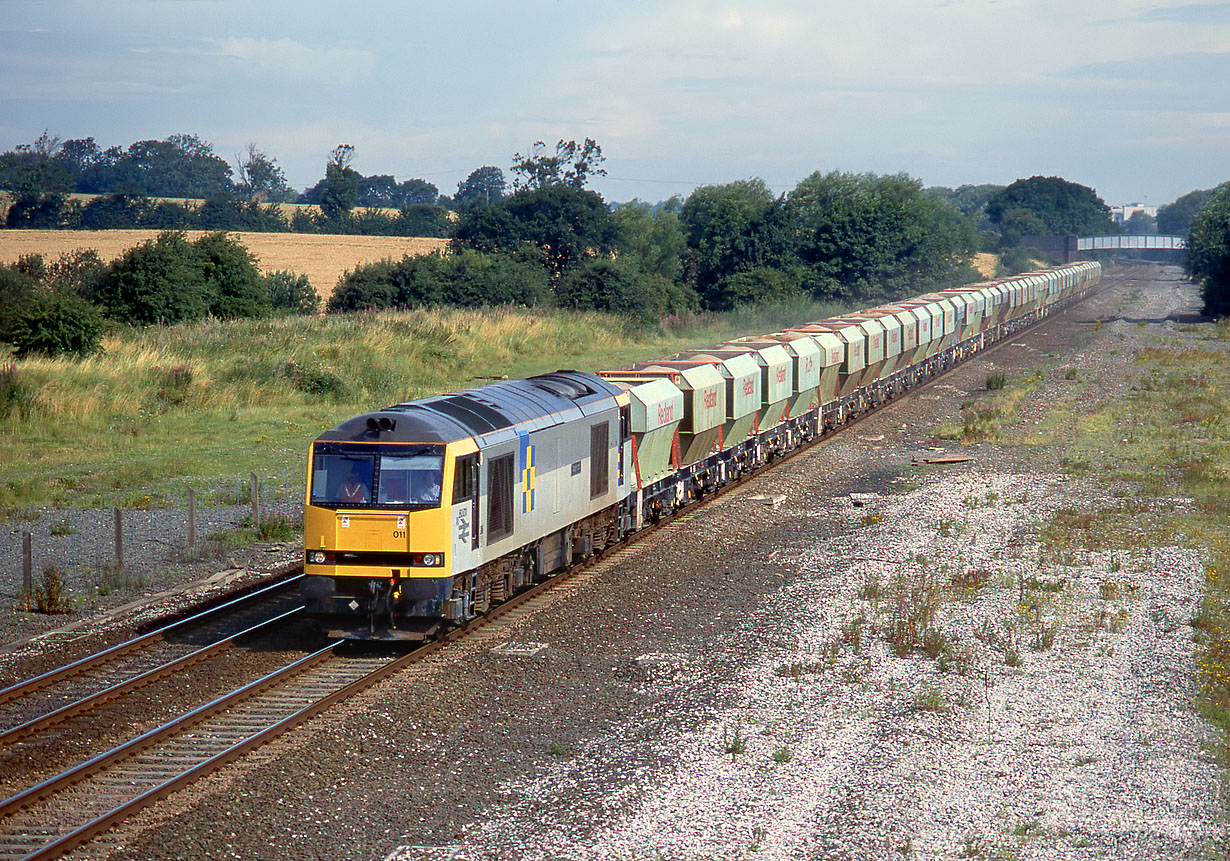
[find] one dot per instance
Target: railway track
(53, 697)
(70, 809)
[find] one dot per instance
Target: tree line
(131, 186)
(552, 240)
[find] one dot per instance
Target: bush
(311, 379)
(158, 281)
(233, 282)
(471, 279)
(17, 290)
(1013, 260)
(467, 278)
(228, 212)
(171, 386)
(48, 596)
(57, 323)
(290, 293)
(373, 286)
(604, 285)
(756, 287)
(421, 219)
(115, 211)
(170, 280)
(41, 212)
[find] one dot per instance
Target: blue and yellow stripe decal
(528, 474)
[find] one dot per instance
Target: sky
(1131, 98)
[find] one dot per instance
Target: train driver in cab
(428, 487)
(355, 488)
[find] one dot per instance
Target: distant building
(1122, 213)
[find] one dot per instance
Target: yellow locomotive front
(376, 533)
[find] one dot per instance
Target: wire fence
(124, 547)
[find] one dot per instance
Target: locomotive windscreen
(377, 476)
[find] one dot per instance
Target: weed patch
(48, 596)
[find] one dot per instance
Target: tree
(379, 191)
(341, 184)
(1140, 224)
(1065, 207)
(183, 165)
(564, 223)
(415, 191)
(873, 237)
(571, 165)
(733, 228)
(1015, 223)
(260, 178)
(482, 187)
(972, 200)
(1208, 251)
(652, 238)
(1175, 219)
(32, 170)
(78, 156)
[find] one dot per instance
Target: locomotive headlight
(430, 559)
(317, 557)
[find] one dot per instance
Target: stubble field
(322, 257)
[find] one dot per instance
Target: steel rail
(92, 767)
(93, 701)
(36, 683)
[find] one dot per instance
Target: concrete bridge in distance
(1070, 248)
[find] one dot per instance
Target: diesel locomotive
(424, 514)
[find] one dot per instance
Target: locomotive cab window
(465, 478)
(343, 479)
(413, 480)
(384, 476)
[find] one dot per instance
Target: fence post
(191, 519)
(256, 505)
(119, 540)
(27, 564)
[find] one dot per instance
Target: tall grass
(209, 400)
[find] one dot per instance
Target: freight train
(423, 515)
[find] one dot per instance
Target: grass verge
(207, 402)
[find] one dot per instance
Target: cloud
(1192, 71)
(1193, 13)
(295, 61)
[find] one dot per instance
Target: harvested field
(322, 257)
